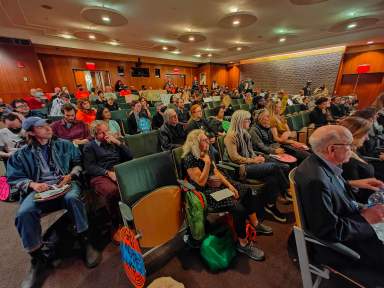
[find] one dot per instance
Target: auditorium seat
(143, 144)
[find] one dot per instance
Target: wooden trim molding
(83, 53)
(295, 55)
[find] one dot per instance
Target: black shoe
(92, 257)
(37, 273)
(272, 210)
(262, 229)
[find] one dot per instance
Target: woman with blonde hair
(239, 148)
(283, 135)
(357, 167)
(202, 173)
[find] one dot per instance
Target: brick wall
(292, 74)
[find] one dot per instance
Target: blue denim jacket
(23, 168)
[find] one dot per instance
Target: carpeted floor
(184, 265)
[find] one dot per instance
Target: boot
(38, 270)
(92, 257)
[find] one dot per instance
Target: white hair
(328, 135)
(167, 114)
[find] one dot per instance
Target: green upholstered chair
(244, 107)
(151, 198)
(143, 144)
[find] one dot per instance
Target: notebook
(53, 193)
(222, 194)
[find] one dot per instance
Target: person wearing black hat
(45, 164)
(318, 115)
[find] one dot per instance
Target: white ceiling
(152, 23)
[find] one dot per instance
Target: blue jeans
(28, 216)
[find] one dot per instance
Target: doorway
(89, 79)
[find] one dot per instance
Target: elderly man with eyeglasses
(330, 211)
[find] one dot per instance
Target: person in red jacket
(34, 100)
(81, 93)
(85, 112)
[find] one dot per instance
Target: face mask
(15, 130)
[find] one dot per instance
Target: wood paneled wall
(16, 82)
(370, 84)
(59, 71)
(224, 76)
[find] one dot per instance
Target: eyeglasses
(349, 145)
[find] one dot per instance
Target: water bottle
(376, 198)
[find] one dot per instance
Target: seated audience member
(85, 112)
(197, 121)
(305, 105)
(158, 119)
(171, 133)
(337, 109)
(261, 135)
(11, 136)
(56, 93)
(57, 104)
(134, 126)
(318, 115)
(111, 104)
(330, 210)
(100, 156)
(145, 107)
(216, 122)
(258, 103)
(35, 99)
(119, 85)
(357, 167)
(239, 148)
(81, 93)
(92, 96)
(282, 134)
(109, 93)
(70, 128)
(100, 99)
(182, 112)
(203, 174)
(103, 114)
(32, 169)
(21, 107)
(371, 147)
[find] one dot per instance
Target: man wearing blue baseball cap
(32, 169)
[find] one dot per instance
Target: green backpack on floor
(218, 252)
(196, 206)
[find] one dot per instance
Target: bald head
(328, 135)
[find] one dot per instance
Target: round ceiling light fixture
(238, 48)
(191, 38)
(237, 20)
(91, 35)
(353, 24)
(165, 48)
(103, 16)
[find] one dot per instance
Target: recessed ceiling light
(231, 62)
(236, 22)
(370, 42)
(283, 39)
(106, 19)
(209, 55)
(176, 52)
(188, 29)
(114, 43)
(351, 26)
(91, 36)
(198, 55)
(234, 9)
(66, 36)
(239, 48)
(165, 48)
(191, 38)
